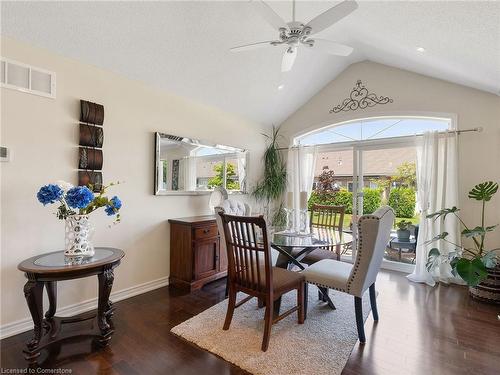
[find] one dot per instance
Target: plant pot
(489, 289)
(78, 233)
(403, 235)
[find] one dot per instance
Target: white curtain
(437, 185)
(301, 164)
(189, 173)
(242, 162)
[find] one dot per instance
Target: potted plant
(473, 262)
(273, 185)
(403, 231)
(75, 205)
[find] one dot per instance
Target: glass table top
(60, 260)
(317, 238)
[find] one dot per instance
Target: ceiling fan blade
(247, 47)
(331, 47)
(332, 15)
(288, 59)
(269, 14)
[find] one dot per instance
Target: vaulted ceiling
(183, 47)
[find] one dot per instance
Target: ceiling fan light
(420, 49)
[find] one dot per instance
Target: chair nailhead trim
(328, 286)
(359, 252)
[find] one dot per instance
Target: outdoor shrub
(338, 198)
(372, 199)
(344, 198)
(402, 200)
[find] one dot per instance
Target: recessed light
(421, 49)
(280, 87)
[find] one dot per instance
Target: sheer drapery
(301, 164)
(242, 161)
(189, 172)
(437, 185)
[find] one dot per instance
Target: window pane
(232, 174)
(373, 129)
(209, 173)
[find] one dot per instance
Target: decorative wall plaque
(92, 113)
(93, 178)
(91, 136)
(91, 139)
(90, 158)
(360, 98)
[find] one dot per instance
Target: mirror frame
(159, 135)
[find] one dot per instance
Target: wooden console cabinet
(195, 256)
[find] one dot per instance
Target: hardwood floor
(422, 330)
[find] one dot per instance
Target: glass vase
(289, 220)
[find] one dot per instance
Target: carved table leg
(33, 291)
(52, 293)
(103, 308)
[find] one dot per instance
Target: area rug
(321, 345)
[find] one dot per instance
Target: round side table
(45, 271)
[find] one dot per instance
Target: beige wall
(43, 136)
(414, 94)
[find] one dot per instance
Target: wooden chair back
(327, 216)
(248, 252)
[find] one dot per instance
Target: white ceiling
(183, 47)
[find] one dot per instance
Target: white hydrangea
(65, 186)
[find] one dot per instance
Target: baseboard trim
(26, 324)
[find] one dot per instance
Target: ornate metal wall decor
(360, 98)
(91, 139)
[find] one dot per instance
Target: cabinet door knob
(206, 230)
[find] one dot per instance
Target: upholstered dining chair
(373, 233)
(230, 207)
(251, 271)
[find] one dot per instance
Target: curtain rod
(458, 132)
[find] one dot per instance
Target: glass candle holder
(289, 219)
(303, 227)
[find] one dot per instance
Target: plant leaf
(475, 232)
(483, 191)
(491, 228)
(453, 265)
(471, 271)
(433, 259)
(444, 212)
(490, 260)
(438, 237)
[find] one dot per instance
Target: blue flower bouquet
(76, 203)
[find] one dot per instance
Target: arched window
(374, 128)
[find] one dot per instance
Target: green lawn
(348, 218)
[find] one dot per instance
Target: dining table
(285, 242)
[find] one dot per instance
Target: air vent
(30, 79)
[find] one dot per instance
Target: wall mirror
(186, 166)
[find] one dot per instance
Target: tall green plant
(469, 262)
(271, 188)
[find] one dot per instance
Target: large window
(364, 164)
(371, 129)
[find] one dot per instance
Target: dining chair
(234, 207)
(373, 234)
(251, 271)
(328, 217)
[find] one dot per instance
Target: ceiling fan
(295, 33)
